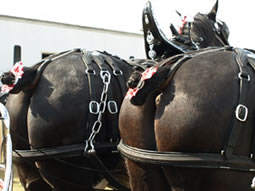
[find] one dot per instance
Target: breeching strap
(241, 111)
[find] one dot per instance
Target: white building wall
(37, 37)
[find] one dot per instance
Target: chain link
(106, 78)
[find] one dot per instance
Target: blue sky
(125, 15)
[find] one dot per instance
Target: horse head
(205, 30)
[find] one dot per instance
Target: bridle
(222, 32)
(219, 27)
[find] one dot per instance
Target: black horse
(60, 102)
(80, 108)
(191, 125)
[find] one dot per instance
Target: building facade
(38, 39)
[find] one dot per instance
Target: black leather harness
(224, 160)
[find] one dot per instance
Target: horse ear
(212, 14)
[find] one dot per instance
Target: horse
(188, 124)
(50, 114)
(79, 109)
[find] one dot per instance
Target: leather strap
(241, 111)
(188, 160)
(66, 151)
(118, 73)
(91, 72)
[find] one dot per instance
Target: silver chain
(106, 78)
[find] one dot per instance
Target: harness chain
(89, 149)
(98, 108)
(111, 104)
(118, 73)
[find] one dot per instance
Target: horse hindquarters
(194, 115)
(136, 129)
(29, 175)
(63, 111)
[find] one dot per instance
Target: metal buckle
(112, 107)
(150, 38)
(94, 107)
(244, 76)
(117, 72)
(90, 71)
(241, 110)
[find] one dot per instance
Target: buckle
(244, 76)
(117, 72)
(94, 107)
(90, 71)
(241, 112)
(112, 107)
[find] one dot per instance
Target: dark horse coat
(54, 110)
(192, 109)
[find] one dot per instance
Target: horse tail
(153, 79)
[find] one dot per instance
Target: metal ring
(90, 71)
(113, 110)
(239, 108)
(117, 72)
(244, 76)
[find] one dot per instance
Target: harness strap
(91, 72)
(44, 63)
(251, 61)
(66, 151)
(176, 61)
(118, 73)
(187, 160)
(111, 104)
(241, 112)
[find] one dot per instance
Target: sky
(126, 15)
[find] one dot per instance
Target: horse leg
(29, 175)
(64, 177)
(137, 129)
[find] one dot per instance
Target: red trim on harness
(17, 71)
(147, 74)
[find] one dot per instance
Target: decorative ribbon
(17, 71)
(147, 74)
(184, 22)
